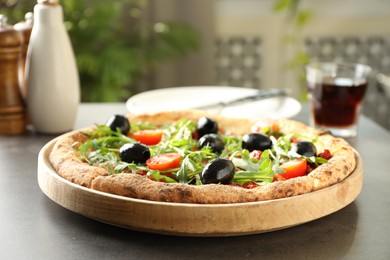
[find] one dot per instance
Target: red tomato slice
(294, 168)
(164, 161)
(148, 137)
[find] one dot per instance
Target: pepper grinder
(12, 112)
(53, 88)
(24, 27)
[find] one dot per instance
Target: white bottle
(53, 88)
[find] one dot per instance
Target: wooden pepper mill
(25, 28)
(12, 111)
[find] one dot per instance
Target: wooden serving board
(185, 219)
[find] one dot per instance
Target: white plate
(180, 98)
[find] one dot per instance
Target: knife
(261, 94)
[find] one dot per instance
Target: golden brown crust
(69, 166)
(136, 186)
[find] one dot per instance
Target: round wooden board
(197, 219)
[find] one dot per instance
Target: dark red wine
(336, 103)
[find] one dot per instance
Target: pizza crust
(68, 165)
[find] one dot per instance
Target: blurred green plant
(113, 45)
(296, 18)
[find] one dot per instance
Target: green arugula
(281, 152)
(193, 164)
(102, 149)
(156, 175)
(177, 138)
(251, 169)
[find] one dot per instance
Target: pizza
(196, 157)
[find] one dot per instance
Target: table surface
(34, 227)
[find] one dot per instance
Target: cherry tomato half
(148, 137)
(164, 161)
(294, 168)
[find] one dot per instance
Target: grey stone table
(34, 227)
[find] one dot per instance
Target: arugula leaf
(177, 138)
(142, 126)
(317, 161)
(282, 152)
(103, 147)
(253, 170)
(103, 136)
(232, 145)
(193, 163)
(156, 175)
(281, 146)
(121, 166)
(102, 130)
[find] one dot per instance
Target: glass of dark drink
(336, 91)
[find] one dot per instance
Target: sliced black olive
(256, 141)
(134, 153)
(218, 171)
(305, 148)
(206, 125)
(213, 141)
(119, 121)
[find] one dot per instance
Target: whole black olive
(134, 153)
(119, 121)
(305, 148)
(256, 141)
(218, 171)
(206, 125)
(213, 141)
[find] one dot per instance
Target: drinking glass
(336, 91)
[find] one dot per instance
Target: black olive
(134, 153)
(119, 121)
(256, 141)
(206, 125)
(305, 148)
(218, 171)
(213, 141)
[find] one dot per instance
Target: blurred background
(124, 47)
